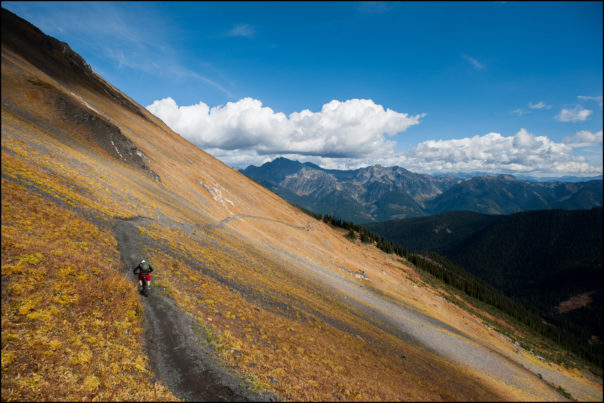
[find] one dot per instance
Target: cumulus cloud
(355, 133)
(523, 153)
(578, 113)
(584, 138)
(539, 105)
(353, 128)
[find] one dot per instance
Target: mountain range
(379, 193)
(251, 299)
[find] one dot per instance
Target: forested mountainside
(505, 194)
(438, 233)
(376, 194)
(542, 259)
(252, 299)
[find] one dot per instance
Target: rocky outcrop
(104, 133)
(58, 60)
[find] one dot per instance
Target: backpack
(145, 267)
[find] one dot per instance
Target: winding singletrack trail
(179, 355)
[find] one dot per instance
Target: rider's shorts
(146, 276)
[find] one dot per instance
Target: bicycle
(144, 279)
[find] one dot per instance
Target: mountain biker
(143, 270)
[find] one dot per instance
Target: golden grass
(286, 343)
(71, 322)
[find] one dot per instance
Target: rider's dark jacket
(141, 269)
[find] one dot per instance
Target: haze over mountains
(377, 193)
(252, 299)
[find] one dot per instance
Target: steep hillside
(542, 259)
(252, 299)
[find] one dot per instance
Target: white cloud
(354, 128)
(354, 134)
(586, 98)
(473, 61)
(584, 138)
(539, 105)
(518, 112)
(523, 153)
(244, 30)
(573, 115)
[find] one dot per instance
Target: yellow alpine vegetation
(68, 314)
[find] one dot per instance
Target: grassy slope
(58, 340)
(284, 331)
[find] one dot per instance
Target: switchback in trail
(179, 352)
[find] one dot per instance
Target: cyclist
(143, 270)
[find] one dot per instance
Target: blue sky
(435, 87)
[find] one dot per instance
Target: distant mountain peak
(377, 193)
(355, 195)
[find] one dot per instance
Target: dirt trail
(179, 353)
(222, 223)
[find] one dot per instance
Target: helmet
(142, 261)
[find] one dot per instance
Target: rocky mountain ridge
(379, 193)
(57, 59)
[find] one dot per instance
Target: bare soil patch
(576, 302)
